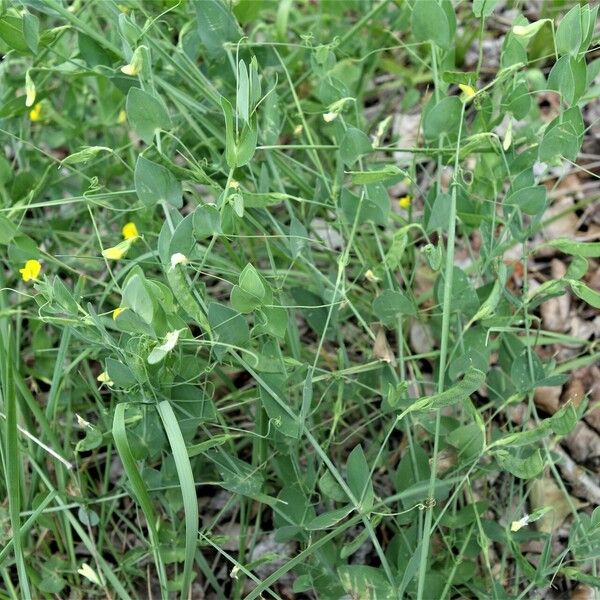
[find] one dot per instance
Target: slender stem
(448, 273)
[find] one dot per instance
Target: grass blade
(12, 460)
(188, 490)
(140, 490)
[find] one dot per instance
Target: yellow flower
(117, 252)
(30, 90)
(35, 114)
(135, 65)
(117, 312)
(467, 90)
(104, 378)
(31, 270)
(122, 117)
(130, 231)
(405, 201)
(130, 70)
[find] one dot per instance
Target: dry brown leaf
(555, 312)
(583, 592)
(545, 492)
(421, 340)
(547, 398)
(574, 392)
(381, 348)
(565, 226)
(583, 443)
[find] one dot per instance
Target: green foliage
(262, 328)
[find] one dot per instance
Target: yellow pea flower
(135, 66)
(467, 90)
(31, 270)
(130, 70)
(122, 117)
(405, 201)
(114, 253)
(104, 378)
(35, 114)
(117, 312)
(117, 252)
(130, 231)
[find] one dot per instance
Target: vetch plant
(299, 299)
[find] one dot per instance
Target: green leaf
(331, 488)
(281, 419)
(31, 31)
(146, 114)
(584, 249)
(430, 22)
(366, 582)
(443, 118)
(390, 305)
(522, 375)
(569, 34)
(121, 375)
(251, 282)
(388, 172)
(531, 200)
(523, 468)
(353, 145)
(238, 476)
(137, 298)
(8, 231)
(85, 155)
(207, 222)
(359, 480)
(329, 519)
(155, 183)
(250, 291)
(216, 25)
(11, 32)
(569, 77)
(229, 326)
(470, 383)
(484, 8)
(561, 423)
(592, 297)
(560, 141)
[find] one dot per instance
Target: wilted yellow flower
(516, 525)
(117, 312)
(35, 114)
(122, 117)
(130, 231)
(29, 90)
(298, 130)
(405, 201)
(234, 184)
(370, 276)
(178, 259)
(31, 270)
(467, 90)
